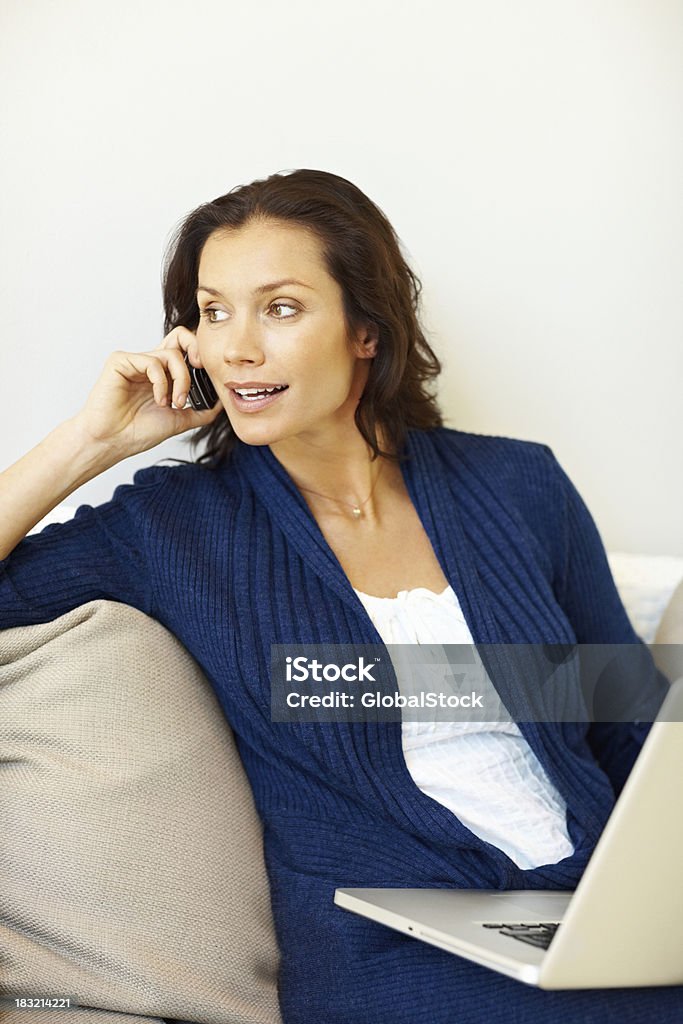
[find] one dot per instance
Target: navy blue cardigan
(230, 560)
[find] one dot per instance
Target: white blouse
(484, 772)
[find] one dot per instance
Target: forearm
(30, 488)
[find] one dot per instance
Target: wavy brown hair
(363, 254)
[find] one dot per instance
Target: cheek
(210, 353)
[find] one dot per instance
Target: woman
(321, 511)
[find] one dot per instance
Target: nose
(243, 345)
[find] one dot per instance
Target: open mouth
(247, 399)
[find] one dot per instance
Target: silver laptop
(623, 926)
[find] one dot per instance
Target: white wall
(529, 154)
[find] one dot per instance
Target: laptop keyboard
(540, 935)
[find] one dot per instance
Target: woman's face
(255, 333)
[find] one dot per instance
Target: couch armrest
(133, 871)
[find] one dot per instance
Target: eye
(285, 305)
(207, 314)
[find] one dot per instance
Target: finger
(180, 337)
(185, 340)
(156, 374)
(175, 361)
(173, 380)
(136, 366)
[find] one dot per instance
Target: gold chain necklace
(356, 510)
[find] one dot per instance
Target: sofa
(133, 879)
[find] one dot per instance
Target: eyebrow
(261, 290)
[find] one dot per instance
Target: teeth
(258, 391)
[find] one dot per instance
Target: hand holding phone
(140, 398)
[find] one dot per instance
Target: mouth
(253, 399)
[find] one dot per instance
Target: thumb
(190, 418)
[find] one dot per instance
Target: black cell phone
(202, 392)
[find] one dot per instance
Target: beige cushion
(131, 861)
(668, 645)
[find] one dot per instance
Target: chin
(259, 431)
(257, 434)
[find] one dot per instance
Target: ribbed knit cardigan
(231, 561)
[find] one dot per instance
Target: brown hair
(363, 254)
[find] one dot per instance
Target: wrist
(90, 456)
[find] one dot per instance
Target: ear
(367, 340)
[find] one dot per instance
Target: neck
(343, 471)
